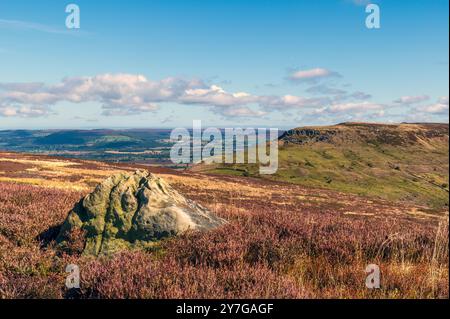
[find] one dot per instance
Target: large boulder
(133, 210)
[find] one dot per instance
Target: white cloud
(128, 94)
(217, 96)
(23, 111)
(290, 101)
(119, 94)
(241, 112)
(439, 108)
(354, 107)
(311, 75)
(443, 100)
(131, 94)
(407, 100)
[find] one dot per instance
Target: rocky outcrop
(305, 136)
(367, 133)
(129, 210)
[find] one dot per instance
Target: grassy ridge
(392, 164)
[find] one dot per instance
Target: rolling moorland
(285, 237)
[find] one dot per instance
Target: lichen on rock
(133, 210)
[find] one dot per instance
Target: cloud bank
(133, 94)
(128, 94)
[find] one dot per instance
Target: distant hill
(132, 145)
(402, 162)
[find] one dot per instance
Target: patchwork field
(282, 240)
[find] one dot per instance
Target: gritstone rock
(133, 210)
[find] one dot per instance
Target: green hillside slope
(406, 162)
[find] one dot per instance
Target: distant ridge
(371, 133)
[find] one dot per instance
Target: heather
(270, 249)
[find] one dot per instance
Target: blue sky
(226, 62)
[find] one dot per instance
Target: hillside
(404, 162)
